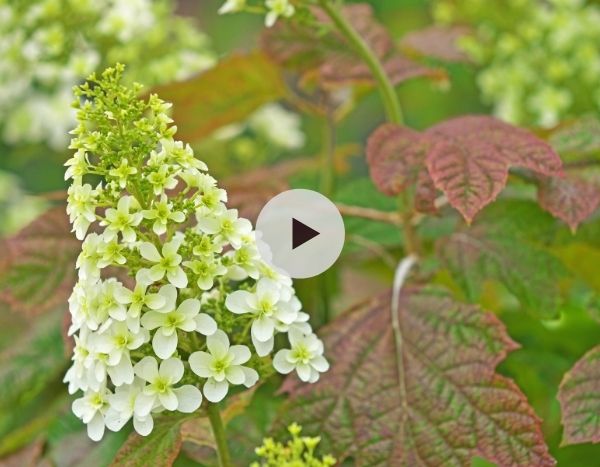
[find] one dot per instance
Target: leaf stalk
(218, 429)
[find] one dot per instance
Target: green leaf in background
(428, 395)
(225, 94)
(159, 449)
(505, 245)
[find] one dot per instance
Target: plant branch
(389, 217)
(218, 429)
(388, 94)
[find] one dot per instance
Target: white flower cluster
(173, 302)
(274, 9)
(541, 59)
(48, 46)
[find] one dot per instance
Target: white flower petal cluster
(173, 303)
(48, 46)
(538, 57)
(275, 9)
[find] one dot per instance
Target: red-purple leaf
(396, 158)
(331, 59)
(579, 397)
(437, 42)
(37, 267)
(471, 157)
(435, 400)
(570, 199)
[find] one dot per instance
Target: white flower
(207, 270)
(222, 365)
(166, 263)
(116, 342)
(81, 208)
(90, 409)
(122, 172)
(77, 166)
(162, 212)
(278, 8)
(182, 155)
(171, 317)
(269, 305)
(227, 226)
(90, 257)
(160, 388)
(121, 410)
(232, 6)
(278, 125)
(112, 253)
(121, 220)
(162, 180)
(137, 299)
(305, 356)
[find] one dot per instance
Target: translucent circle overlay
(308, 211)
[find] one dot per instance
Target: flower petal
(263, 348)
(143, 425)
(263, 328)
(178, 278)
(189, 398)
(281, 362)
(147, 369)
(250, 376)
(168, 399)
(215, 391)
(205, 324)
(189, 307)
(153, 319)
(149, 252)
(237, 302)
(319, 363)
(143, 404)
(241, 354)
(200, 363)
(235, 374)
(95, 427)
(163, 345)
(218, 344)
(172, 369)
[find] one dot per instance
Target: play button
(300, 233)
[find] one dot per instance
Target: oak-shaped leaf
(426, 396)
(467, 158)
(579, 397)
(396, 157)
(323, 53)
(227, 93)
(160, 448)
(37, 266)
(439, 42)
(569, 198)
(507, 245)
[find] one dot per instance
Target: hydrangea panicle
(173, 304)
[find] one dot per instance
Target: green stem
(388, 94)
(214, 415)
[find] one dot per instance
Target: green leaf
(579, 397)
(225, 94)
(37, 269)
(579, 137)
(505, 246)
(159, 449)
(428, 395)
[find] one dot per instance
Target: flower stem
(214, 415)
(388, 94)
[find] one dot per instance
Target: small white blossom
(227, 226)
(222, 366)
(122, 173)
(162, 180)
(138, 299)
(121, 410)
(91, 409)
(121, 220)
(206, 270)
(305, 356)
(81, 208)
(160, 388)
(162, 212)
(166, 263)
(278, 8)
(168, 319)
(269, 305)
(232, 6)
